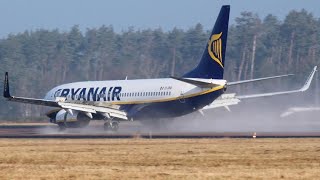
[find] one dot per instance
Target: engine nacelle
(76, 120)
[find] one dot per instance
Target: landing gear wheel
(62, 127)
(114, 126)
(106, 126)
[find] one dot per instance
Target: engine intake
(75, 120)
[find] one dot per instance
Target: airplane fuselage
(141, 98)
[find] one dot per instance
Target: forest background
(39, 60)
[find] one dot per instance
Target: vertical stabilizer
(211, 65)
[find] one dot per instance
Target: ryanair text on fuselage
(90, 94)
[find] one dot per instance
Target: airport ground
(224, 158)
(39, 151)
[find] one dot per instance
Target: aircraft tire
(106, 126)
(115, 126)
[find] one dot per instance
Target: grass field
(160, 159)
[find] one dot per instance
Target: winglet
(6, 92)
(308, 82)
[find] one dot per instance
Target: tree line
(39, 60)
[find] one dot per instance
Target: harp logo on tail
(215, 48)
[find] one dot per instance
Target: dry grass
(160, 159)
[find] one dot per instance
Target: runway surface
(96, 132)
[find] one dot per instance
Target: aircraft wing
(302, 89)
(69, 106)
(231, 99)
(259, 79)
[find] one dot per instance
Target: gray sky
(20, 15)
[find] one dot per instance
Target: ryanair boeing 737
(76, 104)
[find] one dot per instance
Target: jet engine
(75, 120)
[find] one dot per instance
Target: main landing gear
(111, 125)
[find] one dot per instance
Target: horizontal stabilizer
(198, 83)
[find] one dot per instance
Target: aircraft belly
(175, 108)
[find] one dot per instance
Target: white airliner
(148, 99)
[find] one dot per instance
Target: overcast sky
(20, 15)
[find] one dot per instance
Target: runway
(96, 132)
